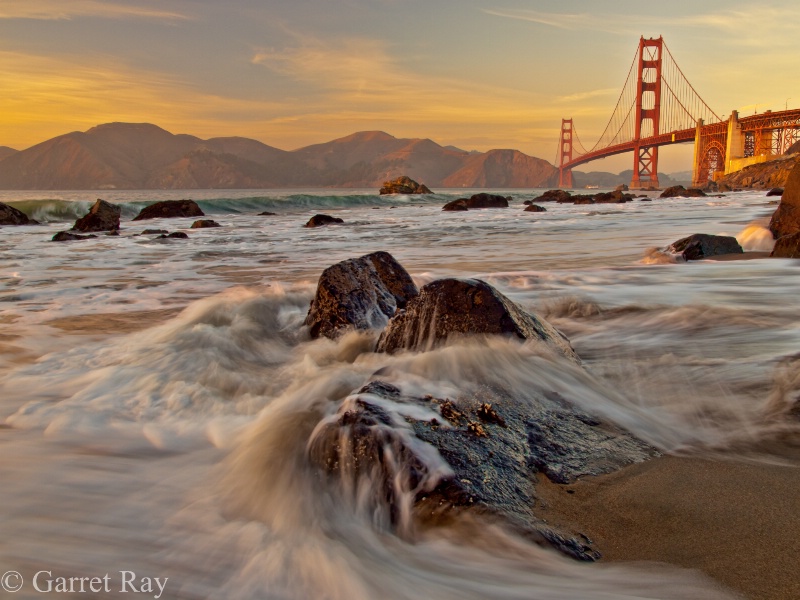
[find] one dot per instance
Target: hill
(145, 156)
(5, 151)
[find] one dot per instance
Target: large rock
(448, 307)
(786, 219)
(359, 293)
(13, 216)
(170, 209)
(776, 191)
(484, 200)
(678, 191)
(103, 216)
(322, 220)
(403, 185)
(787, 246)
(702, 245)
(494, 448)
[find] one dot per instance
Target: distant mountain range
(144, 156)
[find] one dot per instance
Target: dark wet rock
(678, 191)
(484, 200)
(180, 235)
(322, 220)
(775, 192)
(204, 223)
(615, 197)
(622, 187)
(710, 186)
(456, 205)
(13, 216)
(170, 209)
(452, 307)
(553, 196)
(645, 199)
(702, 245)
(582, 199)
(535, 208)
(113, 233)
(359, 293)
(786, 218)
(403, 185)
(153, 231)
(266, 213)
(787, 246)
(66, 236)
(496, 446)
(103, 216)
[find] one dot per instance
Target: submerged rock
(170, 209)
(702, 245)
(203, 223)
(103, 216)
(359, 293)
(615, 197)
(484, 200)
(492, 446)
(786, 218)
(777, 191)
(787, 246)
(322, 220)
(66, 236)
(153, 231)
(449, 307)
(678, 191)
(535, 208)
(553, 196)
(456, 205)
(403, 185)
(180, 235)
(13, 216)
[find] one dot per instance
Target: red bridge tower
(648, 112)
(565, 149)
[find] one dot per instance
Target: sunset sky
(474, 74)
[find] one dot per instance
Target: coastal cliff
(762, 176)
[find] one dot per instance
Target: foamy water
(159, 396)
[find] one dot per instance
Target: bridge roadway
(764, 122)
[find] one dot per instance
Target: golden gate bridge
(658, 106)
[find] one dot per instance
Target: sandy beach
(733, 518)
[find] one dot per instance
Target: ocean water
(157, 397)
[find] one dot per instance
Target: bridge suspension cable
(680, 104)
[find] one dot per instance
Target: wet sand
(735, 519)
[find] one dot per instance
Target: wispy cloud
(588, 95)
(746, 24)
(363, 74)
(69, 9)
